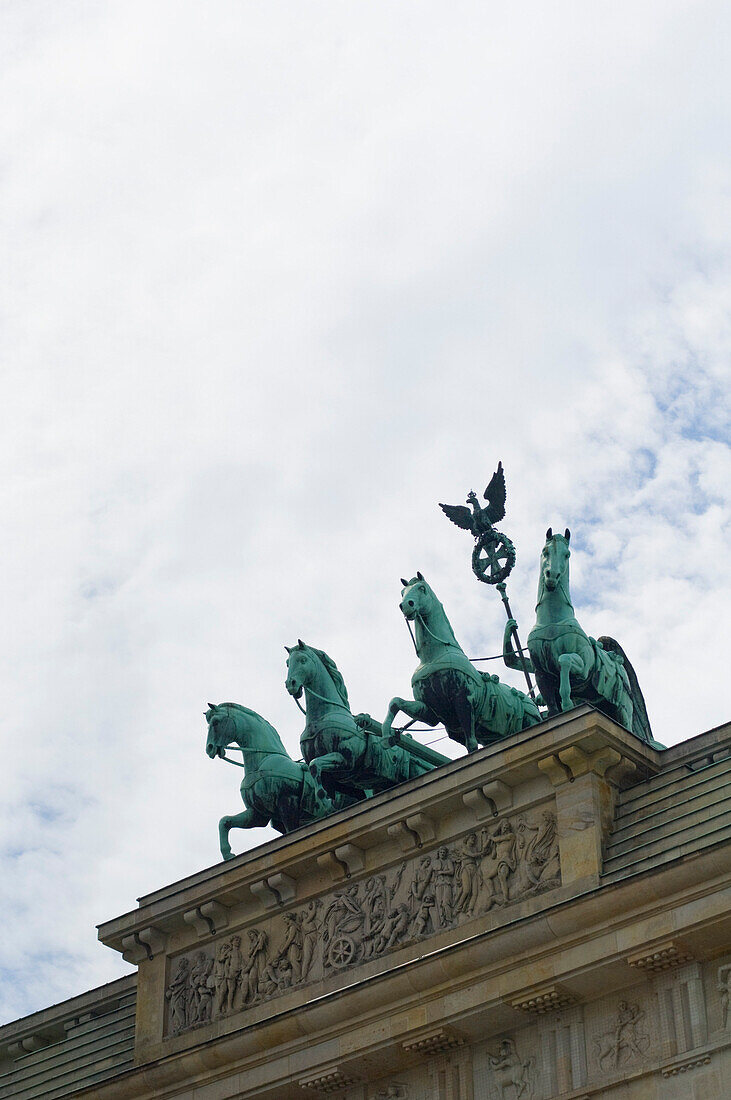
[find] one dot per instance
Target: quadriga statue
(474, 706)
(569, 666)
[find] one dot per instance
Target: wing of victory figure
(480, 520)
(494, 554)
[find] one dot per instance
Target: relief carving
(468, 875)
(178, 994)
(364, 920)
(201, 993)
(625, 1041)
(513, 1075)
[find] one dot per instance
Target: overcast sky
(277, 278)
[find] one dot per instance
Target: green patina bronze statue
(348, 758)
(474, 706)
(275, 788)
(569, 666)
(494, 554)
(344, 755)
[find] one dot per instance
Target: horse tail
(640, 721)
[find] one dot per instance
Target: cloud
(281, 278)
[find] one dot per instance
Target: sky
(277, 278)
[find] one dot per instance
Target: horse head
(555, 560)
(300, 668)
(234, 724)
(305, 665)
(221, 730)
(417, 598)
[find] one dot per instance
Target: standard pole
(506, 603)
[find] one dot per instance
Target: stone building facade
(545, 918)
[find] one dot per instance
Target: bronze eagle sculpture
(480, 520)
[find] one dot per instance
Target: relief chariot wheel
(493, 557)
(343, 951)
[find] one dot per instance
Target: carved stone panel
(484, 871)
(623, 1040)
(508, 1067)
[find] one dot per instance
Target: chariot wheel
(343, 951)
(493, 557)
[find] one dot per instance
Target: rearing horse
(569, 666)
(341, 755)
(474, 706)
(274, 788)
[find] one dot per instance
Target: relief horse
(275, 788)
(474, 706)
(569, 666)
(343, 756)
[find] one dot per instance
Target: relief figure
(540, 852)
(512, 1073)
(469, 875)
(395, 928)
(423, 922)
(444, 869)
(310, 929)
(201, 989)
(255, 967)
(624, 1041)
(226, 976)
(500, 850)
(287, 963)
(178, 993)
(375, 905)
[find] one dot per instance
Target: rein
(228, 760)
(330, 702)
(257, 752)
(422, 620)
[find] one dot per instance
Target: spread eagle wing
(458, 514)
(495, 495)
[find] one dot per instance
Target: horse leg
(415, 709)
(464, 706)
(320, 766)
(568, 663)
(247, 819)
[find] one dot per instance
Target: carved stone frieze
(362, 920)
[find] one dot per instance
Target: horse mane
(333, 672)
(249, 713)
